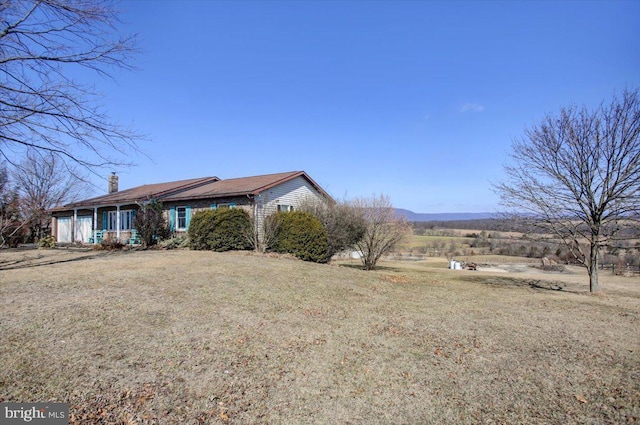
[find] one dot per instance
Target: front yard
(179, 337)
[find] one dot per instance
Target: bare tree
(263, 228)
(150, 222)
(384, 229)
(42, 106)
(11, 224)
(262, 237)
(577, 176)
(44, 181)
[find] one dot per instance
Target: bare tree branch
(41, 105)
(11, 223)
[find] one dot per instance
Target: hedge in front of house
(220, 230)
(301, 234)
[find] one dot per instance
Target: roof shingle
(200, 188)
(234, 187)
(138, 193)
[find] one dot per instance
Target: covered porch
(97, 224)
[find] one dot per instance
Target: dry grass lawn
(182, 337)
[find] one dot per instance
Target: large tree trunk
(593, 269)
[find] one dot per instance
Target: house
(111, 215)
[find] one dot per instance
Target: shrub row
(298, 233)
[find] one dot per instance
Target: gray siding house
(111, 215)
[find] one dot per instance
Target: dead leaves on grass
(399, 278)
(106, 409)
(404, 279)
(314, 312)
(457, 350)
(445, 350)
(135, 407)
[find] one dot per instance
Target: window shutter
(104, 220)
(188, 217)
(172, 219)
(133, 219)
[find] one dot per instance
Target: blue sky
(416, 100)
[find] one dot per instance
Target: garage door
(64, 229)
(83, 229)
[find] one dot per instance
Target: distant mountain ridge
(412, 216)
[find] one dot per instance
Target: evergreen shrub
(47, 242)
(301, 234)
(220, 230)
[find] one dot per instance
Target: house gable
(243, 186)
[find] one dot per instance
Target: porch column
(73, 225)
(95, 225)
(118, 222)
(54, 227)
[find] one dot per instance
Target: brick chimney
(113, 183)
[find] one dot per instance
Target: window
(126, 220)
(181, 219)
(112, 220)
(229, 205)
(285, 208)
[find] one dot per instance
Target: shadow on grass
(514, 282)
(31, 262)
(378, 268)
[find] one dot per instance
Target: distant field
(498, 259)
(187, 337)
(456, 236)
(416, 241)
